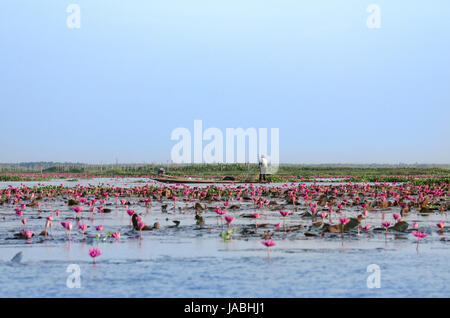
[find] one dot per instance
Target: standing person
(262, 168)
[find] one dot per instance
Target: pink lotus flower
(343, 221)
(141, 225)
(268, 243)
(28, 234)
(419, 235)
(77, 209)
(386, 225)
(94, 252)
(440, 225)
(130, 212)
(255, 215)
(366, 228)
(219, 211)
(415, 225)
(48, 223)
(284, 214)
(116, 235)
(82, 227)
(323, 215)
(67, 226)
(229, 219)
(99, 228)
(24, 222)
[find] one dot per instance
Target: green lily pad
(352, 224)
(400, 226)
(72, 202)
(337, 228)
(198, 206)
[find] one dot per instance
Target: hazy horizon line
(187, 164)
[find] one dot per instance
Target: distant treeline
(364, 172)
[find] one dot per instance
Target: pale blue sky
(136, 70)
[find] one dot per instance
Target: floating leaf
(400, 226)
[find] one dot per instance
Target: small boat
(199, 180)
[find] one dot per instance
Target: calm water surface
(190, 262)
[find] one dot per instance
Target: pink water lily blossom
(386, 225)
(323, 215)
(82, 227)
(67, 226)
(28, 234)
(255, 215)
(343, 221)
(77, 210)
(229, 219)
(419, 235)
(268, 244)
(284, 214)
(141, 225)
(94, 252)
